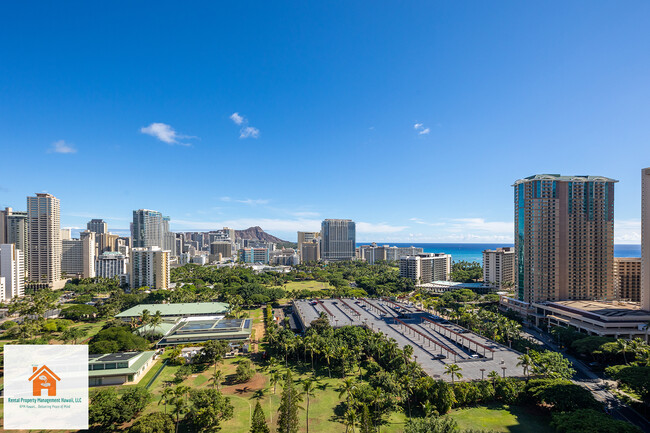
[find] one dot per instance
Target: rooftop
(602, 308)
(180, 309)
(142, 359)
(575, 178)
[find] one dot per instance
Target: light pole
(504, 372)
(482, 373)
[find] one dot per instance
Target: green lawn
(308, 285)
(503, 418)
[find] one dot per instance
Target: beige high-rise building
(306, 242)
(564, 238)
(44, 239)
(645, 239)
(78, 255)
(149, 267)
(426, 267)
(627, 278)
(499, 266)
(13, 230)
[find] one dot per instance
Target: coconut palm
(350, 419)
(308, 388)
(454, 371)
(216, 379)
(328, 353)
(526, 362)
(167, 397)
(494, 376)
(348, 387)
(276, 378)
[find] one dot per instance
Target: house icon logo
(43, 379)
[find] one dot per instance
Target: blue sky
(412, 118)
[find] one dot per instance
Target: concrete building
(149, 267)
(44, 239)
(175, 311)
(645, 239)
(13, 230)
(150, 229)
(564, 237)
(106, 242)
(12, 271)
(284, 257)
(111, 264)
(78, 255)
(220, 250)
(311, 243)
(254, 255)
(607, 319)
(426, 267)
(66, 234)
(309, 251)
(627, 278)
(97, 226)
(499, 266)
(372, 253)
(338, 240)
(119, 368)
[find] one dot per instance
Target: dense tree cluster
(117, 339)
(466, 272)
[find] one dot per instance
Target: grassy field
(503, 418)
(308, 285)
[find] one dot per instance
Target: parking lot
(435, 341)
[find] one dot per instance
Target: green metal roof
(181, 309)
(137, 365)
(163, 329)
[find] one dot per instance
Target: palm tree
(216, 378)
(526, 362)
(621, 347)
(308, 388)
(494, 376)
(328, 353)
(167, 397)
(350, 419)
(144, 317)
(155, 321)
(276, 378)
(348, 387)
(180, 407)
(454, 371)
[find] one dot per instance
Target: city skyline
(464, 98)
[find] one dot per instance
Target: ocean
(474, 252)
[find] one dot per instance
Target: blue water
(474, 252)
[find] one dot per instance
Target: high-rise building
(97, 226)
(645, 239)
(338, 240)
(220, 250)
(627, 278)
(13, 230)
(111, 264)
(309, 251)
(564, 238)
(149, 267)
(373, 252)
(499, 266)
(151, 229)
(78, 255)
(254, 255)
(66, 234)
(426, 267)
(12, 270)
(44, 239)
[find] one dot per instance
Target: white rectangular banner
(45, 387)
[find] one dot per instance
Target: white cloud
(245, 131)
(305, 214)
(165, 133)
(268, 224)
(627, 231)
(249, 131)
(248, 201)
(61, 146)
(421, 129)
(235, 117)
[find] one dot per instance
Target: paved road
(596, 385)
